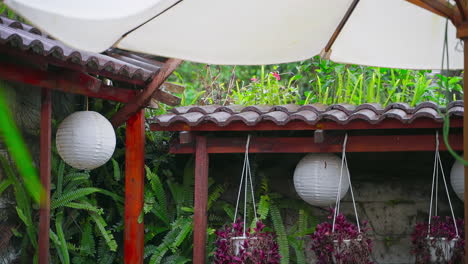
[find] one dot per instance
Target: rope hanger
(434, 188)
(344, 162)
(247, 174)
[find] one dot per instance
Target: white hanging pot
(85, 140)
(457, 179)
(238, 243)
(444, 244)
(316, 179)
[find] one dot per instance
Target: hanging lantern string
(435, 182)
(344, 162)
(247, 174)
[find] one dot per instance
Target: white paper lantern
(85, 140)
(316, 179)
(457, 179)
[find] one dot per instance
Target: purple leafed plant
(345, 246)
(259, 247)
(440, 228)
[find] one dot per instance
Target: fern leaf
(104, 255)
(149, 250)
(87, 245)
(85, 206)
(280, 230)
(185, 229)
(4, 185)
(115, 166)
(263, 207)
(214, 195)
(72, 196)
(61, 237)
(107, 235)
(60, 172)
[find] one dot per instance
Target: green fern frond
(72, 196)
(157, 187)
(61, 237)
(87, 245)
(149, 249)
(107, 235)
(185, 229)
(263, 207)
(116, 168)
(214, 195)
(175, 259)
(280, 230)
(104, 255)
(85, 206)
(60, 174)
(4, 185)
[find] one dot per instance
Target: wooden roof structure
(28, 56)
(213, 129)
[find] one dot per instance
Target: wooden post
(134, 187)
(45, 152)
(201, 200)
(465, 142)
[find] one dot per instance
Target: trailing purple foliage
(259, 247)
(345, 246)
(440, 228)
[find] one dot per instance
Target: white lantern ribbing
(85, 140)
(457, 179)
(317, 177)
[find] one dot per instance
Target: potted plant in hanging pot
(439, 241)
(346, 244)
(236, 245)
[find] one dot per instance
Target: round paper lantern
(457, 179)
(85, 140)
(317, 177)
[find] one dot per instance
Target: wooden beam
(356, 143)
(389, 123)
(201, 200)
(134, 188)
(45, 168)
(75, 82)
(143, 98)
(465, 138)
(462, 8)
(40, 59)
(441, 8)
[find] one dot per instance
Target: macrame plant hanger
(344, 162)
(434, 190)
(245, 178)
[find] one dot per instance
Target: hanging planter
(85, 140)
(238, 244)
(341, 241)
(316, 177)
(440, 240)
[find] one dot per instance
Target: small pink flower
(253, 79)
(276, 75)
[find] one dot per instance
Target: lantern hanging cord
(344, 162)
(435, 182)
(247, 174)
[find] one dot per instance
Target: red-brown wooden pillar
(45, 152)
(465, 141)
(201, 200)
(134, 187)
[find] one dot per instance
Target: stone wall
(392, 192)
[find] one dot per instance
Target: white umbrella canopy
(389, 33)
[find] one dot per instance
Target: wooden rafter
(143, 98)
(440, 7)
(462, 8)
(356, 143)
(78, 83)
